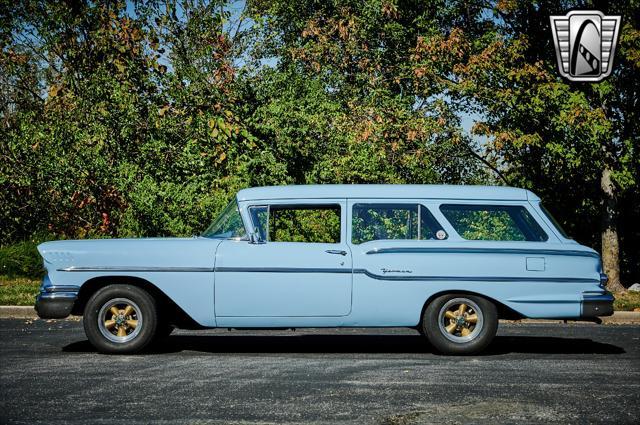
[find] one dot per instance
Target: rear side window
(493, 222)
(372, 222)
(297, 223)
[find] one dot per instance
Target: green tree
(576, 144)
(340, 103)
(142, 118)
(117, 123)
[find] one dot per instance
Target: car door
(391, 241)
(300, 266)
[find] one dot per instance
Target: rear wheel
(460, 323)
(120, 319)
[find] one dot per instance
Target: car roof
(386, 191)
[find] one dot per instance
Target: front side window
(297, 223)
(493, 222)
(372, 222)
(228, 225)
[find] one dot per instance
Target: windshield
(228, 225)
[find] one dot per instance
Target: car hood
(132, 254)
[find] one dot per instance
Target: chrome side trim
(443, 250)
(475, 278)
(590, 296)
(545, 301)
(405, 277)
(57, 295)
(61, 288)
(335, 270)
(281, 270)
(135, 269)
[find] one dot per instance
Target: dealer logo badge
(585, 43)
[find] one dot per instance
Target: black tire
(463, 331)
(103, 327)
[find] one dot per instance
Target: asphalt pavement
(557, 373)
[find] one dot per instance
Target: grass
(22, 291)
(18, 290)
(627, 301)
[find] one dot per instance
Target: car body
(343, 256)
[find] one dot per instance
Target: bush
(21, 259)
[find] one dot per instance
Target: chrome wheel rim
(460, 320)
(120, 320)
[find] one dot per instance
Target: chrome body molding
(492, 279)
(413, 250)
(135, 269)
(57, 295)
(405, 277)
(594, 296)
(281, 270)
(61, 288)
(306, 270)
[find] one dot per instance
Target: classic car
(448, 261)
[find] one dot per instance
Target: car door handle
(336, 251)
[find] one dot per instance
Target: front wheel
(460, 323)
(120, 319)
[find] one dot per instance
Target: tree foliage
(143, 118)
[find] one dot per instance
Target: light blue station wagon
(446, 260)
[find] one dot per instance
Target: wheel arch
(504, 311)
(175, 314)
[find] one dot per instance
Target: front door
(300, 267)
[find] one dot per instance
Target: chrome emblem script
(385, 271)
(585, 43)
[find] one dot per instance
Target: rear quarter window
(493, 222)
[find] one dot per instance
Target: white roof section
(386, 191)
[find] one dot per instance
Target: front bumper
(56, 302)
(596, 305)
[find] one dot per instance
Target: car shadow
(357, 344)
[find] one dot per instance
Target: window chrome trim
(253, 225)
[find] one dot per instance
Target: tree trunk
(610, 241)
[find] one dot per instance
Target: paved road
(532, 373)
